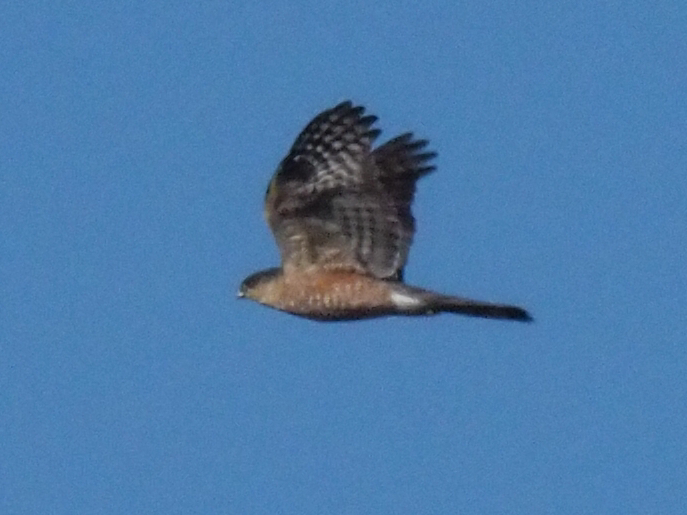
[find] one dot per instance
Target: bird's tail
(429, 302)
(476, 308)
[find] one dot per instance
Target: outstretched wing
(336, 203)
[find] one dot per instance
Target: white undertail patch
(404, 301)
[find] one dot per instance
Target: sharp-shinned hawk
(341, 214)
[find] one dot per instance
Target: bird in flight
(341, 214)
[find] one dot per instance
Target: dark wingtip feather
(403, 156)
(373, 133)
(367, 120)
(345, 105)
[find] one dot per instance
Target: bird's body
(325, 295)
(339, 295)
(341, 214)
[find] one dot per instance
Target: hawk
(341, 214)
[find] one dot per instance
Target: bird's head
(257, 286)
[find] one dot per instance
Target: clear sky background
(136, 143)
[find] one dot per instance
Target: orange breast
(332, 293)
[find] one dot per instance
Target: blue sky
(136, 145)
